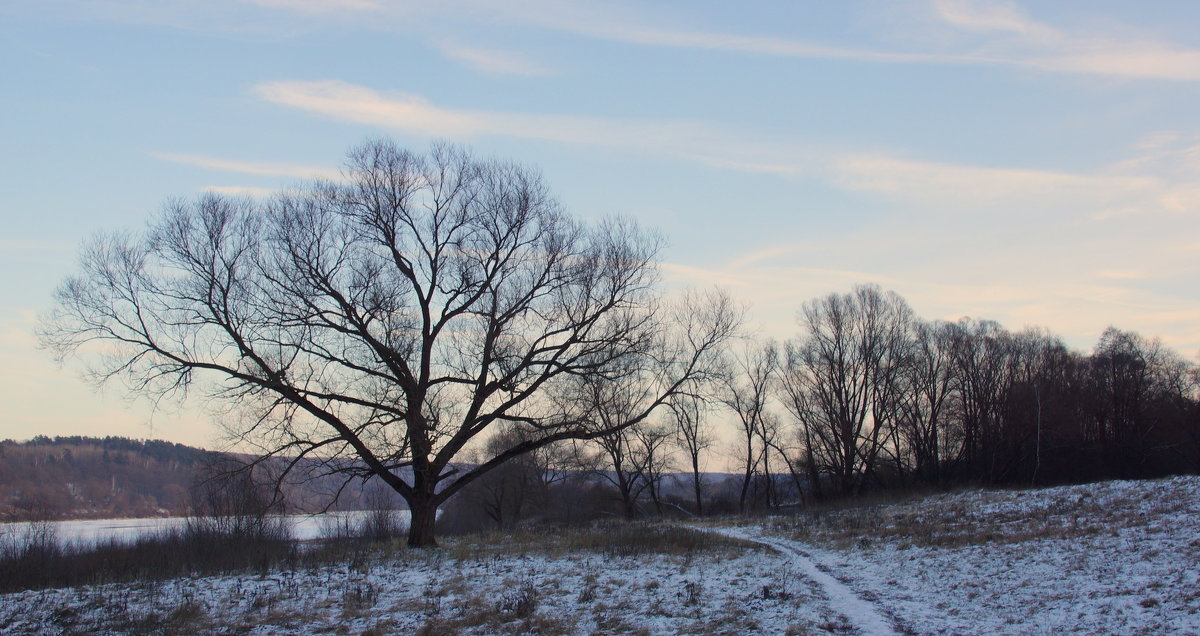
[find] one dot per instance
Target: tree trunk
(770, 488)
(625, 489)
(423, 514)
(746, 478)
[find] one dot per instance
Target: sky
(1031, 163)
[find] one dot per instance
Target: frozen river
(304, 527)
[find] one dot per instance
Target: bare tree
(653, 441)
(617, 406)
(746, 392)
(693, 436)
(841, 381)
(392, 317)
(770, 432)
(613, 406)
(982, 354)
(925, 400)
(1133, 379)
(780, 441)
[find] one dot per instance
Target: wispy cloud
(320, 6)
(493, 61)
(1005, 35)
(1019, 244)
(981, 187)
(241, 191)
(248, 167)
(417, 115)
(1014, 37)
(1135, 185)
(1005, 17)
(995, 32)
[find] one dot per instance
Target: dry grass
(512, 613)
(609, 539)
(467, 587)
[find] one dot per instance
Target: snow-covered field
(725, 587)
(1116, 557)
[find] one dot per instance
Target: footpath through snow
(859, 613)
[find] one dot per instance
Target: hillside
(113, 477)
(84, 477)
(1114, 558)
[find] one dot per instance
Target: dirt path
(862, 614)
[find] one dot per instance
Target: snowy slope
(1116, 558)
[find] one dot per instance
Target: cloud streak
(493, 61)
(247, 167)
(417, 115)
(320, 7)
(1013, 37)
(242, 191)
(1005, 36)
(1134, 185)
(992, 33)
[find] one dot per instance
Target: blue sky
(1032, 163)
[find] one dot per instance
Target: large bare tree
(383, 323)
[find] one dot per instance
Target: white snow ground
(1119, 557)
(1115, 558)
(742, 590)
(862, 615)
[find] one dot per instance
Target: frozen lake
(304, 527)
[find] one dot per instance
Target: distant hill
(114, 477)
(94, 478)
(85, 477)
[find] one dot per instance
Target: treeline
(79, 477)
(870, 397)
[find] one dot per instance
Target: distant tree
(507, 492)
(928, 384)
(981, 353)
(393, 317)
(746, 391)
(841, 380)
(615, 406)
(770, 434)
(654, 446)
(524, 486)
(1141, 389)
(624, 468)
(693, 436)
(1038, 403)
